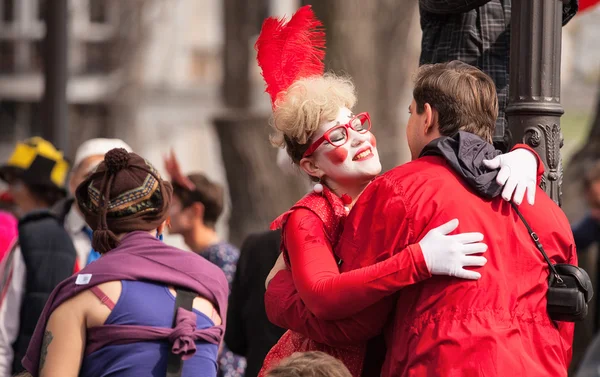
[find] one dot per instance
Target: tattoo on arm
(46, 342)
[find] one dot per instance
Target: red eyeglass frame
(317, 143)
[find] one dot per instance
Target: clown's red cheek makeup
(337, 156)
(373, 141)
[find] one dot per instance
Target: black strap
(184, 300)
(537, 242)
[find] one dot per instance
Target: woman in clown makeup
(313, 119)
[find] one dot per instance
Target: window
(41, 12)
(7, 54)
(98, 11)
(8, 11)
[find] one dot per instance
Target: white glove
(518, 173)
(447, 254)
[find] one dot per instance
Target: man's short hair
(310, 364)
(592, 174)
(464, 97)
(208, 193)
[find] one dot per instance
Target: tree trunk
(373, 42)
(574, 205)
(259, 191)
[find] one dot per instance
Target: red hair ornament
(290, 51)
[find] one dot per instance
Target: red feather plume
(290, 51)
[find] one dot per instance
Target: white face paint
(354, 162)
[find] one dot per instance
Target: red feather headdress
(290, 51)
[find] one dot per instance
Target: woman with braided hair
(122, 315)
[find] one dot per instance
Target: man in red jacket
(494, 326)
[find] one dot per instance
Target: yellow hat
(36, 161)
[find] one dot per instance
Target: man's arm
(10, 309)
(450, 6)
(586, 232)
(462, 6)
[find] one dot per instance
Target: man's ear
(310, 167)
(430, 119)
(198, 210)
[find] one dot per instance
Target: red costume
(310, 232)
(495, 326)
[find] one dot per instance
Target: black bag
(569, 287)
(185, 300)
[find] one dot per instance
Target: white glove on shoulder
(518, 173)
(448, 254)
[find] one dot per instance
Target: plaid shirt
(476, 32)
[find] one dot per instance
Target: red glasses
(338, 135)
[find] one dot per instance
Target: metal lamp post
(534, 108)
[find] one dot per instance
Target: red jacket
(496, 326)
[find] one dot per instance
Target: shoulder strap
(185, 300)
(538, 244)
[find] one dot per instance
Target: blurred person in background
(36, 175)
(249, 331)
(144, 308)
(197, 205)
(87, 158)
(310, 364)
(587, 231)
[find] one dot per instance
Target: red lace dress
(310, 232)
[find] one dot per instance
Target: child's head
(310, 364)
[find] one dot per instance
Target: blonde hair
(305, 105)
(310, 364)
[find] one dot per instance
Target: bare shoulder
(96, 312)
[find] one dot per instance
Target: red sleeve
(285, 309)
(540, 163)
(330, 295)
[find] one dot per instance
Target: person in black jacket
(36, 176)
(476, 32)
(249, 332)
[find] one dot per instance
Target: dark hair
(592, 175)
(295, 150)
(50, 195)
(124, 194)
(310, 364)
(208, 193)
(464, 97)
